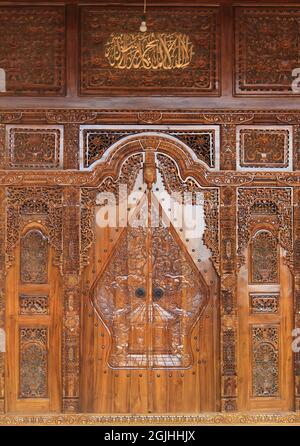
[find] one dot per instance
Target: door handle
(157, 293)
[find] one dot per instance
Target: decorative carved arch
(121, 164)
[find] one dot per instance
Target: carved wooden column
(71, 308)
(71, 146)
(228, 299)
(297, 289)
(2, 298)
(228, 147)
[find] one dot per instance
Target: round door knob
(158, 293)
(140, 292)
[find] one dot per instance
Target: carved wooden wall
(78, 121)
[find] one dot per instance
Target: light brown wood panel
(40, 392)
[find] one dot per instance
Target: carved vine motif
(264, 258)
(96, 142)
(30, 304)
(267, 49)
(34, 148)
(97, 76)
(34, 257)
(173, 183)
(264, 303)
(229, 352)
(128, 174)
(32, 32)
(24, 204)
(264, 148)
(33, 362)
(265, 357)
(271, 205)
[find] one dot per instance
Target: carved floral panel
(35, 148)
(267, 49)
(265, 360)
(264, 147)
(178, 54)
(34, 257)
(32, 50)
(264, 303)
(31, 304)
(264, 258)
(33, 367)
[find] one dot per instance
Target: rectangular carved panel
(30, 305)
(34, 148)
(265, 360)
(116, 58)
(264, 258)
(262, 148)
(261, 303)
(267, 49)
(32, 50)
(33, 365)
(203, 142)
(34, 257)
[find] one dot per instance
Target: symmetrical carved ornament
(264, 265)
(28, 204)
(34, 257)
(267, 49)
(263, 148)
(264, 303)
(264, 205)
(33, 362)
(32, 32)
(265, 360)
(152, 60)
(33, 304)
(34, 148)
(97, 141)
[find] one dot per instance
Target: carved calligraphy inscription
(155, 51)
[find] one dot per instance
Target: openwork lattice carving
(128, 174)
(264, 303)
(265, 361)
(229, 350)
(26, 203)
(34, 257)
(264, 258)
(268, 206)
(173, 183)
(30, 304)
(33, 362)
(97, 141)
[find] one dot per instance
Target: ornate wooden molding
(2, 299)
(71, 306)
(26, 204)
(220, 419)
(228, 299)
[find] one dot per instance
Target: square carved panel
(260, 147)
(32, 50)
(34, 147)
(177, 55)
(264, 303)
(267, 49)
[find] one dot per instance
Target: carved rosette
(71, 306)
(30, 204)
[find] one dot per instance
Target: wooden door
(33, 378)
(265, 303)
(150, 324)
